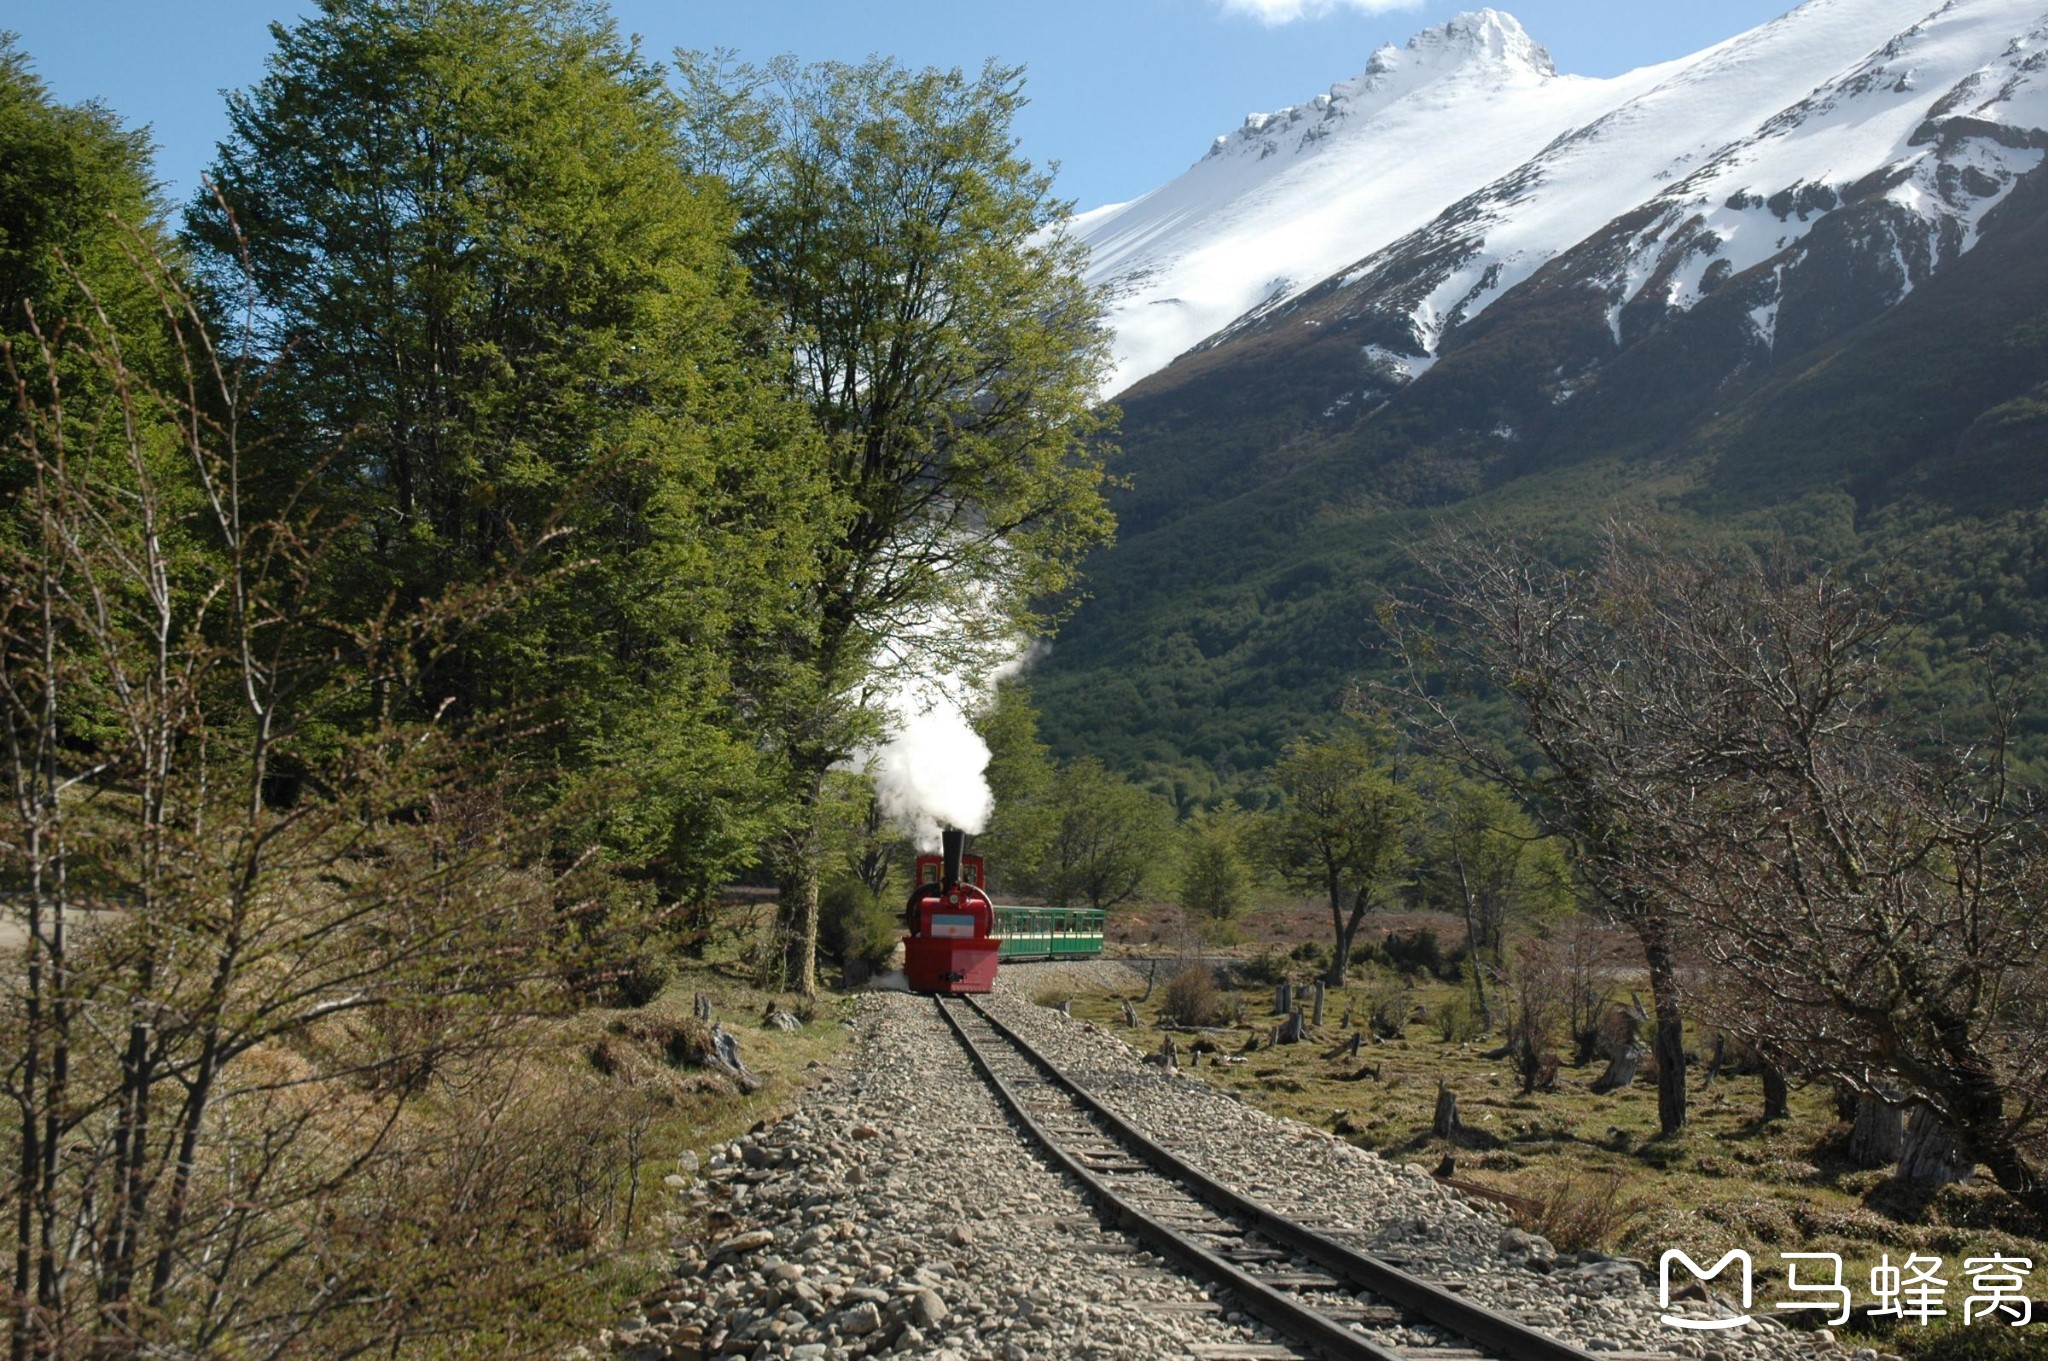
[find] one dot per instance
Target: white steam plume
(931, 768)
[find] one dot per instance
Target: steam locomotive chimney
(956, 841)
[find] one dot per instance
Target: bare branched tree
(250, 911)
(1576, 654)
(1717, 739)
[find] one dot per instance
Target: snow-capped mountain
(1408, 201)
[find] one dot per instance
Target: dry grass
(1594, 1163)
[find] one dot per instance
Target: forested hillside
(1262, 528)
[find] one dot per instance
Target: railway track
(1324, 1294)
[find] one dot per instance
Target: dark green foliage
(1313, 953)
(478, 260)
(641, 979)
(1415, 952)
(78, 207)
(1109, 839)
(857, 924)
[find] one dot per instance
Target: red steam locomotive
(951, 946)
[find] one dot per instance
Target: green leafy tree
(478, 259)
(1215, 874)
(1020, 776)
(1349, 830)
(1485, 861)
(951, 355)
(77, 204)
(1110, 838)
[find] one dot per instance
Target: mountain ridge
(1762, 337)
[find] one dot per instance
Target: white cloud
(1287, 11)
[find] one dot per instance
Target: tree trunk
(1975, 1097)
(1878, 1134)
(796, 899)
(1721, 1057)
(796, 892)
(1283, 999)
(1289, 1031)
(1669, 1042)
(1472, 944)
(1317, 1017)
(1346, 928)
(1777, 1095)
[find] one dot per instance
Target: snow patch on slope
(1300, 192)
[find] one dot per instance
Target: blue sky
(1125, 93)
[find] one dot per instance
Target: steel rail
(1510, 1338)
(1270, 1306)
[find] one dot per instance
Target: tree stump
(1290, 1031)
(1446, 1125)
(1879, 1134)
(700, 1006)
(1714, 1066)
(1283, 999)
(1357, 1039)
(725, 1056)
(1317, 1019)
(1168, 1056)
(1931, 1153)
(1621, 1070)
(1130, 1014)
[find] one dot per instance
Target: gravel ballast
(897, 1212)
(1598, 1302)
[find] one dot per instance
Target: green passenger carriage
(1048, 932)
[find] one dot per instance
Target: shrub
(1418, 951)
(1577, 1213)
(1312, 953)
(1387, 1004)
(1367, 955)
(1192, 998)
(1459, 1019)
(640, 980)
(854, 924)
(1268, 969)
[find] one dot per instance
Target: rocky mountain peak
(1486, 34)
